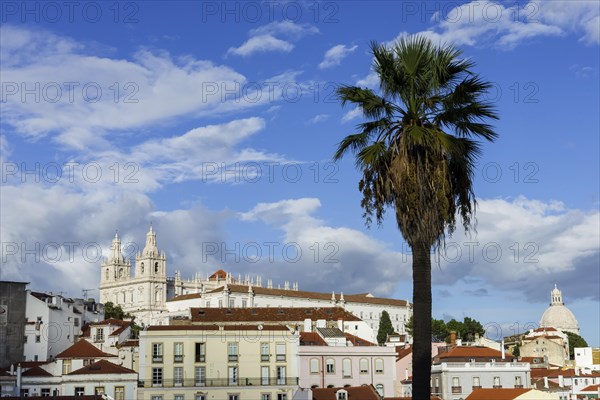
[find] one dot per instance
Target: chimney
(453, 338)
(307, 325)
(546, 382)
(503, 352)
(340, 324)
(406, 374)
(561, 381)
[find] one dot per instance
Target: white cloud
(150, 89)
(261, 43)
(318, 118)
(265, 38)
(352, 114)
(335, 55)
(370, 81)
(492, 23)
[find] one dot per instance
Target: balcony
(220, 382)
(157, 358)
(232, 357)
(518, 386)
(476, 387)
(280, 357)
(200, 358)
(98, 339)
(178, 358)
(456, 389)
(265, 357)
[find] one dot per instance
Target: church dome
(558, 315)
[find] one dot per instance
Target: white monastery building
(153, 297)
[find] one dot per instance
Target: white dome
(559, 316)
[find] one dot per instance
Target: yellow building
(218, 362)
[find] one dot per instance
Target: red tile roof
(83, 349)
(365, 392)
(257, 327)
(555, 372)
(496, 394)
(592, 388)
(402, 352)
(102, 367)
(473, 352)
(357, 341)
(270, 314)
(218, 274)
(186, 297)
(36, 371)
(350, 298)
(311, 339)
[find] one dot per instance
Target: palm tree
(417, 154)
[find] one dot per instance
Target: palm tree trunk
(421, 322)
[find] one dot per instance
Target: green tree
(114, 311)
(385, 327)
(575, 341)
(439, 330)
(516, 351)
(417, 153)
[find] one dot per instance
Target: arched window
(142, 267)
(120, 272)
(156, 267)
(364, 366)
(106, 274)
(346, 368)
(157, 296)
(314, 365)
(330, 366)
(378, 366)
(379, 388)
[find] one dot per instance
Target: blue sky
(216, 121)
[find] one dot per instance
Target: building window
(99, 390)
(330, 366)
(281, 396)
(231, 303)
(265, 396)
(220, 303)
(200, 397)
(378, 366)
(232, 351)
(79, 391)
(341, 395)
(157, 352)
(234, 397)
(200, 376)
(76, 322)
(497, 384)
(178, 352)
(518, 382)
(66, 367)
(476, 382)
(119, 392)
(280, 351)
(364, 366)
(156, 267)
(45, 392)
(264, 351)
(379, 388)
(346, 368)
(156, 398)
(233, 376)
(178, 397)
(281, 378)
(38, 338)
(244, 303)
(200, 352)
(264, 375)
(314, 365)
(99, 335)
(178, 376)
(157, 376)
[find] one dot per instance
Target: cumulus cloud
(318, 118)
(79, 98)
(352, 114)
(267, 38)
(335, 55)
(486, 22)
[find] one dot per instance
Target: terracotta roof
(311, 339)
(591, 388)
(496, 394)
(357, 341)
(544, 329)
(555, 372)
(350, 298)
(218, 274)
(117, 332)
(365, 392)
(216, 328)
(409, 398)
(83, 349)
(30, 364)
(186, 297)
(130, 343)
(102, 367)
(472, 351)
(111, 321)
(402, 352)
(36, 371)
(266, 314)
(539, 383)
